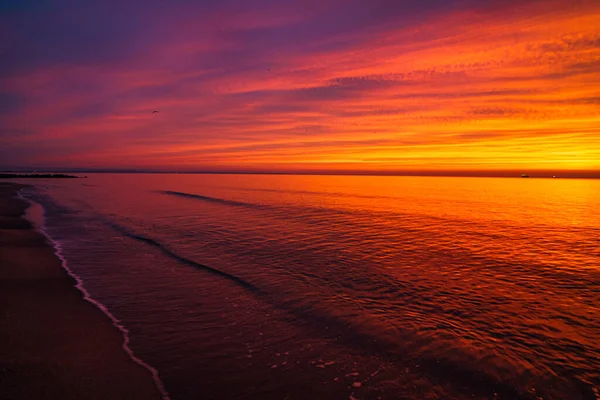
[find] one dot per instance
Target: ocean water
(342, 287)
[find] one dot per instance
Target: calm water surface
(324, 287)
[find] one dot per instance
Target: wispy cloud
(318, 84)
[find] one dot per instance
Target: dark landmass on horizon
(42, 176)
(564, 174)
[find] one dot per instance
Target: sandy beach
(53, 343)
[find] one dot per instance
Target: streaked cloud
(384, 85)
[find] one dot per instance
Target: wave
(316, 193)
(126, 232)
(213, 199)
(305, 211)
(56, 245)
(394, 349)
(307, 314)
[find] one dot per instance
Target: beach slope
(53, 343)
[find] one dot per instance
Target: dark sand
(53, 343)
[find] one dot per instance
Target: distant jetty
(43, 176)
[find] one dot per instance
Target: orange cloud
(512, 87)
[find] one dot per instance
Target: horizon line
(564, 174)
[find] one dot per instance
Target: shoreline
(53, 343)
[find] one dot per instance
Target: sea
(341, 287)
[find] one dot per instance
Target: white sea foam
(36, 217)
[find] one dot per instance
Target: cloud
(271, 83)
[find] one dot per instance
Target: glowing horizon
(329, 86)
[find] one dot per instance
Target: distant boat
(524, 176)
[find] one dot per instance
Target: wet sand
(53, 343)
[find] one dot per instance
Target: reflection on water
(240, 286)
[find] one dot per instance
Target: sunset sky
(308, 85)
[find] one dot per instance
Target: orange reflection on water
(487, 284)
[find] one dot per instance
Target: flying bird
(155, 112)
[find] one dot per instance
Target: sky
(307, 85)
